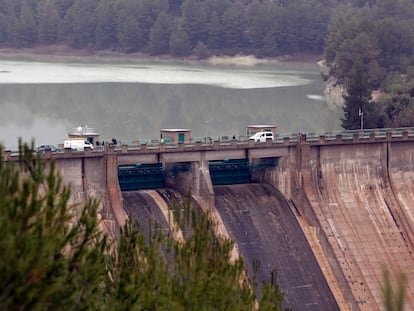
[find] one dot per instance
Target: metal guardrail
(288, 138)
(360, 134)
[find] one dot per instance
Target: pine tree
(159, 272)
(234, 27)
(205, 277)
(26, 28)
(393, 296)
(49, 21)
(358, 101)
(4, 25)
(139, 276)
(129, 35)
(81, 23)
(272, 297)
(160, 35)
(257, 27)
(179, 42)
(47, 260)
(106, 26)
(201, 51)
(215, 32)
(194, 21)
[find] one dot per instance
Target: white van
(261, 137)
(77, 144)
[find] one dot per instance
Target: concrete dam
(329, 212)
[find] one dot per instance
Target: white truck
(261, 137)
(77, 144)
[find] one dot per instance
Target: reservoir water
(130, 100)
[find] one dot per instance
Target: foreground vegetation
(55, 256)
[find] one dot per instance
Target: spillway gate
(141, 176)
(232, 171)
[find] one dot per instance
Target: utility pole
(361, 114)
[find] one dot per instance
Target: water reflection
(134, 101)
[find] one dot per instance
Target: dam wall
(86, 175)
(401, 176)
(195, 178)
(351, 196)
(355, 202)
(94, 176)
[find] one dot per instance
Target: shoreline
(52, 53)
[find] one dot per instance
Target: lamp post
(361, 114)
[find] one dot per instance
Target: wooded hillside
(180, 27)
(376, 34)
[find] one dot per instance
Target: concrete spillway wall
(94, 176)
(357, 206)
(401, 177)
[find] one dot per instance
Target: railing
(360, 134)
(280, 139)
(217, 142)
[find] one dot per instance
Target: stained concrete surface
(262, 224)
(266, 232)
(357, 210)
(142, 208)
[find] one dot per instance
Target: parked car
(261, 137)
(43, 148)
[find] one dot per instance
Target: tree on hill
(180, 44)
(379, 33)
(359, 110)
(194, 21)
(215, 32)
(160, 33)
(129, 34)
(398, 102)
(49, 22)
(81, 23)
(106, 26)
(4, 28)
(234, 28)
(26, 28)
(146, 12)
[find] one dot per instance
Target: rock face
(334, 93)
